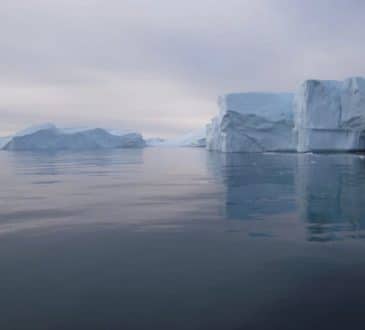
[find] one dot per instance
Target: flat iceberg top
(274, 106)
(352, 82)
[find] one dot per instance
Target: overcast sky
(157, 66)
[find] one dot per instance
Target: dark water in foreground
(181, 239)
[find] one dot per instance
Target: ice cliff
(323, 115)
(330, 115)
(48, 137)
(252, 122)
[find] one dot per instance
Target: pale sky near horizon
(157, 66)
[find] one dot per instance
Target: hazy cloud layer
(158, 66)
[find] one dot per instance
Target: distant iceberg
(4, 141)
(153, 142)
(252, 122)
(48, 137)
(330, 115)
(195, 138)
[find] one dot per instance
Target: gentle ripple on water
(316, 197)
(181, 239)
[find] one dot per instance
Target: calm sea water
(181, 239)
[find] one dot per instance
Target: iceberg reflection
(326, 192)
(330, 195)
(256, 185)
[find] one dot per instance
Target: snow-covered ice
(252, 122)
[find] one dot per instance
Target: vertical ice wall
(252, 122)
(330, 115)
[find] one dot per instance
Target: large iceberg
(330, 115)
(253, 122)
(48, 137)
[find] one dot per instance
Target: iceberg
(252, 122)
(4, 141)
(153, 142)
(195, 138)
(48, 137)
(330, 115)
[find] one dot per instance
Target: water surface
(181, 239)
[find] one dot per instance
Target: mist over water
(181, 239)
